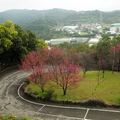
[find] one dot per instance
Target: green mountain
(42, 21)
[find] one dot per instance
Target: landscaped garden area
(68, 75)
(108, 89)
(66, 72)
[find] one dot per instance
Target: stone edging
(58, 106)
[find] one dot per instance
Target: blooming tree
(116, 56)
(35, 62)
(40, 77)
(65, 75)
(51, 64)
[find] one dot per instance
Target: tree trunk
(113, 64)
(42, 89)
(119, 65)
(84, 72)
(64, 91)
(98, 77)
(103, 73)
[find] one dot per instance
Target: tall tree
(115, 52)
(103, 52)
(62, 70)
(15, 43)
(66, 75)
(35, 62)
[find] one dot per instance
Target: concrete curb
(29, 101)
(64, 107)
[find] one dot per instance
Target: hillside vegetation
(42, 22)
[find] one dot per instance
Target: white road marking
(26, 99)
(65, 107)
(10, 83)
(43, 105)
(55, 106)
(41, 108)
(105, 110)
(23, 75)
(61, 116)
(86, 114)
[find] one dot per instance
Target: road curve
(12, 102)
(9, 100)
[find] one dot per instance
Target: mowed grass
(108, 89)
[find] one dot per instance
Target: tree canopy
(16, 42)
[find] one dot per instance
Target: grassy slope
(108, 90)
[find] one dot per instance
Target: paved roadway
(12, 102)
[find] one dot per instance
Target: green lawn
(108, 89)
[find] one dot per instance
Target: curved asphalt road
(12, 102)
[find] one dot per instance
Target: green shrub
(12, 117)
(8, 117)
(25, 118)
(47, 95)
(33, 89)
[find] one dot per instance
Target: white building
(58, 41)
(115, 28)
(70, 29)
(95, 40)
(72, 40)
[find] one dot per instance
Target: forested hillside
(42, 21)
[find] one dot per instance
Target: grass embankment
(108, 89)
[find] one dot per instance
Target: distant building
(70, 29)
(115, 28)
(72, 40)
(95, 40)
(58, 41)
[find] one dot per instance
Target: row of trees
(105, 55)
(62, 64)
(15, 43)
(108, 53)
(54, 64)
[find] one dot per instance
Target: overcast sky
(79, 5)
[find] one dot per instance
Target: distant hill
(43, 20)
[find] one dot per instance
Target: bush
(12, 117)
(25, 118)
(35, 91)
(95, 103)
(8, 117)
(47, 95)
